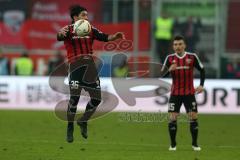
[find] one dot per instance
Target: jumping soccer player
(181, 65)
(82, 71)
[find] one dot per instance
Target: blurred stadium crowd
(29, 46)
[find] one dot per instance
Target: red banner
(58, 10)
(9, 36)
(42, 34)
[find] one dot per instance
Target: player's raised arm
(62, 34)
(118, 35)
(98, 35)
(198, 64)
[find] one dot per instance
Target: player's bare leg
(172, 128)
(194, 129)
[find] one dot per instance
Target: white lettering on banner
(4, 93)
(49, 7)
(40, 34)
(48, 11)
(51, 16)
(35, 93)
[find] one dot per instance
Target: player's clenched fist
(199, 89)
(173, 67)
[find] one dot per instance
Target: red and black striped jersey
(182, 76)
(77, 46)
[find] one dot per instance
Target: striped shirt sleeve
(98, 35)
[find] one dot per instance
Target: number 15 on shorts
(171, 106)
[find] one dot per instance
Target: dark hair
(179, 37)
(25, 54)
(75, 10)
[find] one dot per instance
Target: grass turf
(32, 135)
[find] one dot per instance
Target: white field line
(122, 144)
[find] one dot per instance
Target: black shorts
(189, 101)
(83, 75)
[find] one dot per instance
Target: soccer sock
(172, 128)
(90, 109)
(71, 113)
(194, 131)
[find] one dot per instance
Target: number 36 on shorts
(74, 84)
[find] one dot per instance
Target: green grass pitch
(35, 135)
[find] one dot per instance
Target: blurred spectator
(230, 71)
(24, 65)
(55, 61)
(107, 11)
(163, 35)
(233, 70)
(145, 5)
(4, 65)
(230, 68)
(237, 74)
(177, 27)
(121, 70)
(190, 31)
(125, 10)
(203, 57)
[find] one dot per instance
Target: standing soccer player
(181, 65)
(82, 71)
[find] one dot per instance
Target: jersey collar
(181, 56)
